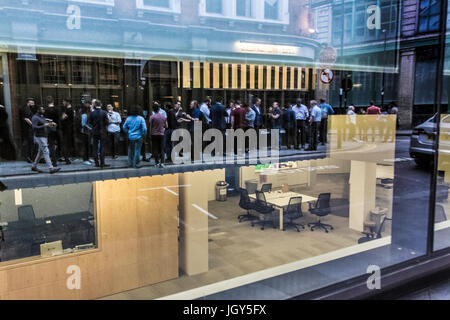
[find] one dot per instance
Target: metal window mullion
(438, 101)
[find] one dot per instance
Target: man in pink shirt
(373, 122)
(158, 125)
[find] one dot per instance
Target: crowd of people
(58, 134)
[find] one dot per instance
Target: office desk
(280, 200)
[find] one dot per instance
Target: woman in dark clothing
(7, 149)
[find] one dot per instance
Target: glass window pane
(271, 9)
(244, 8)
(157, 3)
(214, 6)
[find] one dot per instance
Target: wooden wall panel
(138, 245)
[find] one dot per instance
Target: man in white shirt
(204, 108)
(301, 115)
(113, 130)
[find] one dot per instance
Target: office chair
(26, 213)
(369, 236)
(246, 204)
(266, 187)
(321, 209)
(263, 208)
(439, 214)
(293, 212)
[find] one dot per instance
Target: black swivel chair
(293, 212)
(264, 209)
(369, 236)
(321, 209)
(26, 213)
(266, 187)
(247, 204)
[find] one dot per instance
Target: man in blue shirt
(326, 111)
(316, 118)
(301, 115)
(218, 114)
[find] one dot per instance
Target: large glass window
(429, 15)
(319, 165)
(47, 221)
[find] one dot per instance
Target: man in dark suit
(98, 120)
(218, 114)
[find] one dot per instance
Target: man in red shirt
(373, 109)
(238, 120)
(238, 116)
(373, 122)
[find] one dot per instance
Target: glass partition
(431, 139)
(47, 221)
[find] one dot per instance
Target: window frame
(174, 7)
(229, 12)
(110, 3)
(427, 17)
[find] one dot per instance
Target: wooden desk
(280, 200)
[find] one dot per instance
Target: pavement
(19, 168)
(438, 291)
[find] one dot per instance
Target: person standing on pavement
(229, 109)
(205, 109)
(301, 116)
(85, 132)
(114, 120)
(315, 121)
(7, 147)
(327, 110)
(259, 116)
(289, 125)
(158, 125)
(66, 130)
(275, 118)
(26, 114)
(172, 125)
(51, 113)
(136, 128)
(98, 121)
(250, 120)
(40, 127)
(218, 115)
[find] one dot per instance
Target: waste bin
(251, 186)
(221, 191)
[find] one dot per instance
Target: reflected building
(403, 44)
(135, 52)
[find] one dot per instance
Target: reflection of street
(415, 180)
